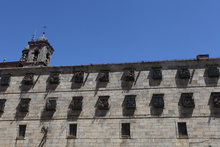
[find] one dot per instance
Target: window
(5, 79)
(125, 130)
(24, 105)
(157, 101)
(28, 79)
(129, 76)
(102, 103)
(213, 71)
(51, 105)
(156, 73)
(72, 130)
(186, 100)
(216, 99)
(22, 131)
(182, 130)
(183, 72)
(76, 103)
(54, 78)
(2, 105)
(129, 102)
(78, 77)
(103, 76)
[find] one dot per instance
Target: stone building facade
(172, 103)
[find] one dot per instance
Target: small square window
(5, 79)
(76, 103)
(2, 105)
(103, 103)
(54, 78)
(213, 71)
(28, 79)
(186, 100)
(103, 76)
(22, 131)
(183, 72)
(78, 77)
(129, 76)
(72, 130)
(51, 105)
(24, 105)
(125, 130)
(129, 102)
(157, 101)
(182, 130)
(216, 99)
(156, 73)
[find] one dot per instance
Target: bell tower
(38, 52)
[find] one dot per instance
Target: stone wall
(94, 130)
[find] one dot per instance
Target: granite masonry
(173, 103)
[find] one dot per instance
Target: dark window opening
(129, 76)
(103, 103)
(28, 79)
(103, 76)
(78, 77)
(48, 56)
(213, 71)
(5, 80)
(216, 99)
(76, 103)
(156, 73)
(72, 130)
(2, 105)
(125, 130)
(157, 101)
(129, 102)
(183, 72)
(186, 100)
(22, 131)
(54, 78)
(36, 53)
(24, 105)
(182, 129)
(51, 105)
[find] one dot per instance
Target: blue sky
(111, 31)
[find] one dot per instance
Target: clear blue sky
(110, 31)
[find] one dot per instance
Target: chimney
(202, 57)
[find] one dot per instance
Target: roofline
(106, 64)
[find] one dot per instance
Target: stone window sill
(20, 138)
(71, 137)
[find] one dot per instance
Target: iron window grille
(51, 105)
(78, 77)
(183, 72)
(129, 102)
(54, 78)
(28, 79)
(216, 99)
(5, 79)
(76, 103)
(24, 105)
(103, 76)
(213, 71)
(186, 100)
(156, 73)
(103, 103)
(157, 101)
(129, 76)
